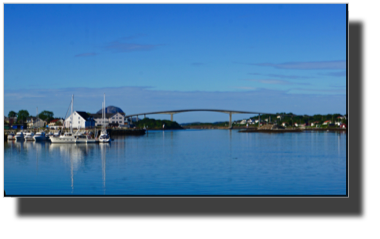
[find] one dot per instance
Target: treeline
(220, 124)
(290, 118)
(22, 115)
(156, 124)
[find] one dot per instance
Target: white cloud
(316, 65)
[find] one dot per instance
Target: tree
(12, 114)
(46, 115)
(22, 115)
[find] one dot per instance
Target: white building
(34, 122)
(250, 121)
(243, 122)
(327, 122)
(116, 118)
(109, 119)
(256, 121)
(80, 120)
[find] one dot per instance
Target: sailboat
(104, 137)
(68, 137)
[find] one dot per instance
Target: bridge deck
(191, 110)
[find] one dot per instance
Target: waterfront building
(80, 120)
(56, 123)
(243, 122)
(34, 122)
(111, 118)
(30, 121)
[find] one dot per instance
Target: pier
(113, 132)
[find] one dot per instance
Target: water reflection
(72, 154)
(204, 162)
(103, 153)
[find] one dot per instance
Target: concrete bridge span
(172, 112)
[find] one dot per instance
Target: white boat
(29, 136)
(40, 136)
(19, 136)
(104, 137)
(82, 138)
(11, 136)
(68, 137)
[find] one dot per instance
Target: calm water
(182, 162)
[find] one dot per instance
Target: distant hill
(111, 110)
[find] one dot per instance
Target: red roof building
(327, 122)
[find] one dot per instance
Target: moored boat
(11, 136)
(57, 134)
(82, 138)
(29, 136)
(19, 136)
(66, 138)
(40, 136)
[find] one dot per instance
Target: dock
(113, 132)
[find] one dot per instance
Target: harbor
(88, 133)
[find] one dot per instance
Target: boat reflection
(103, 152)
(76, 155)
(15, 145)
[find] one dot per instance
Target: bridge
(172, 112)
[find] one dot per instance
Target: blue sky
(252, 57)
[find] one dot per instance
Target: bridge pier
(259, 121)
(137, 118)
(230, 125)
(144, 116)
(171, 117)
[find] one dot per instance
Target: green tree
(22, 115)
(12, 114)
(46, 115)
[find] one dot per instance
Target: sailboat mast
(71, 118)
(104, 117)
